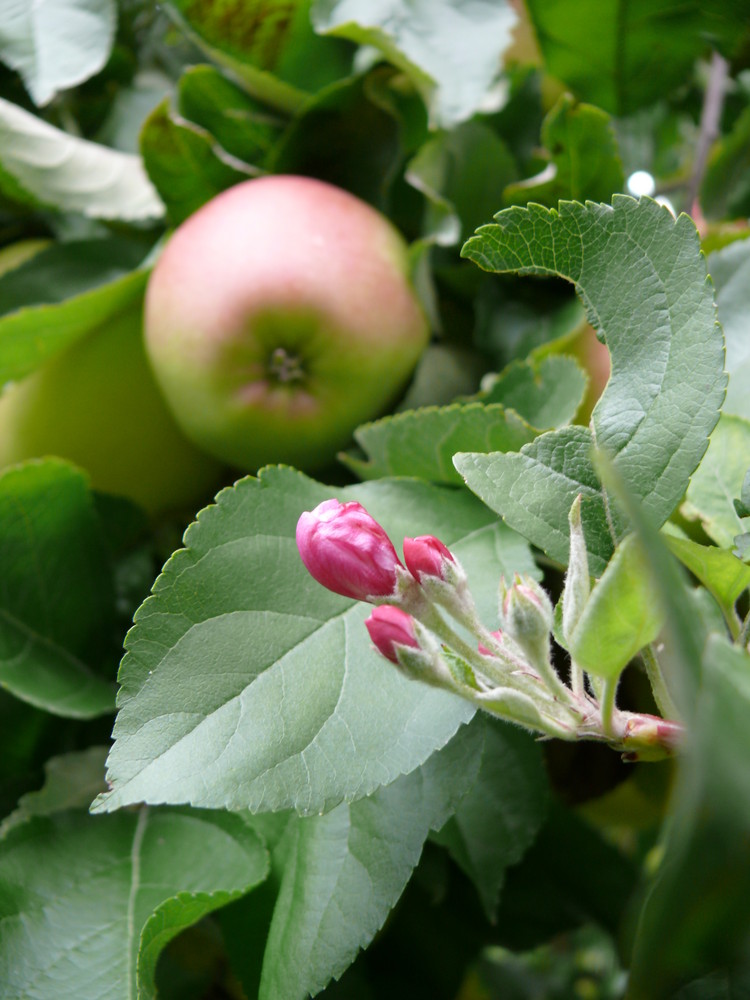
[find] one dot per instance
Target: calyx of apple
(279, 317)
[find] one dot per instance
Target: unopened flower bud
(346, 550)
(526, 614)
(577, 584)
(488, 652)
(389, 628)
(426, 556)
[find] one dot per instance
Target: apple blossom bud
(488, 652)
(426, 556)
(346, 550)
(526, 615)
(390, 627)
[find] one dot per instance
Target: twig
(713, 103)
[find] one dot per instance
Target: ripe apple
(279, 317)
(97, 405)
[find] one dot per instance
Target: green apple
(97, 405)
(279, 317)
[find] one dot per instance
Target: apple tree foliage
(280, 813)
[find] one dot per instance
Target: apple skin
(279, 318)
(97, 405)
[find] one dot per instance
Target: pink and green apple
(279, 317)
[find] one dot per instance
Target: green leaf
(720, 572)
(621, 616)
(451, 171)
(718, 480)
(584, 160)
(422, 442)
(185, 164)
(268, 45)
(245, 682)
(642, 278)
(43, 166)
(350, 134)
(546, 392)
(730, 271)
(343, 872)
(70, 782)
(57, 602)
(57, 43)
(239, 125)
(85, 900)
(696, 916)
(606, 54)
(742, 503)
(429, 42)
(725, 193)
(66, 291)
(500, 816)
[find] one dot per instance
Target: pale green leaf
(718, 480)
(720, 572)
(501, 814)
(730, 271)
(643, 281)
(46, 167)
(63, 293)
(430, 43)
(249, 686)
(344, 871)
(546, 392)
(622, 615)
(56, 591)
(422, 442)
(56, 44)
(86, 900)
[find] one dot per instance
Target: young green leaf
(45, 167)
(500, 816)
(57, 598)
(67, 290)
(584, 160)
(429, 43)
(422, 442)
(642, 278)
(343, 872)
(720, 572)
(87, 903)
(621, 616)
(185, 164)
(55, 46)
(718, 480)
(248, 686)
(546, 391)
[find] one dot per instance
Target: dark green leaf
(245, 681)
(499, 818)
(726, 188)
(85, 900)
(696, 916)
(606, 54)
(584, 160)
(185, 164)
(642, 278)
(56, 603)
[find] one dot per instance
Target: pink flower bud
(488, 652)
(347, 550)
(390, 627)
(426, 556)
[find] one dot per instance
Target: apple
(279, 317)
(97, 405)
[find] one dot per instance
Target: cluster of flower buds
(418, 603)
